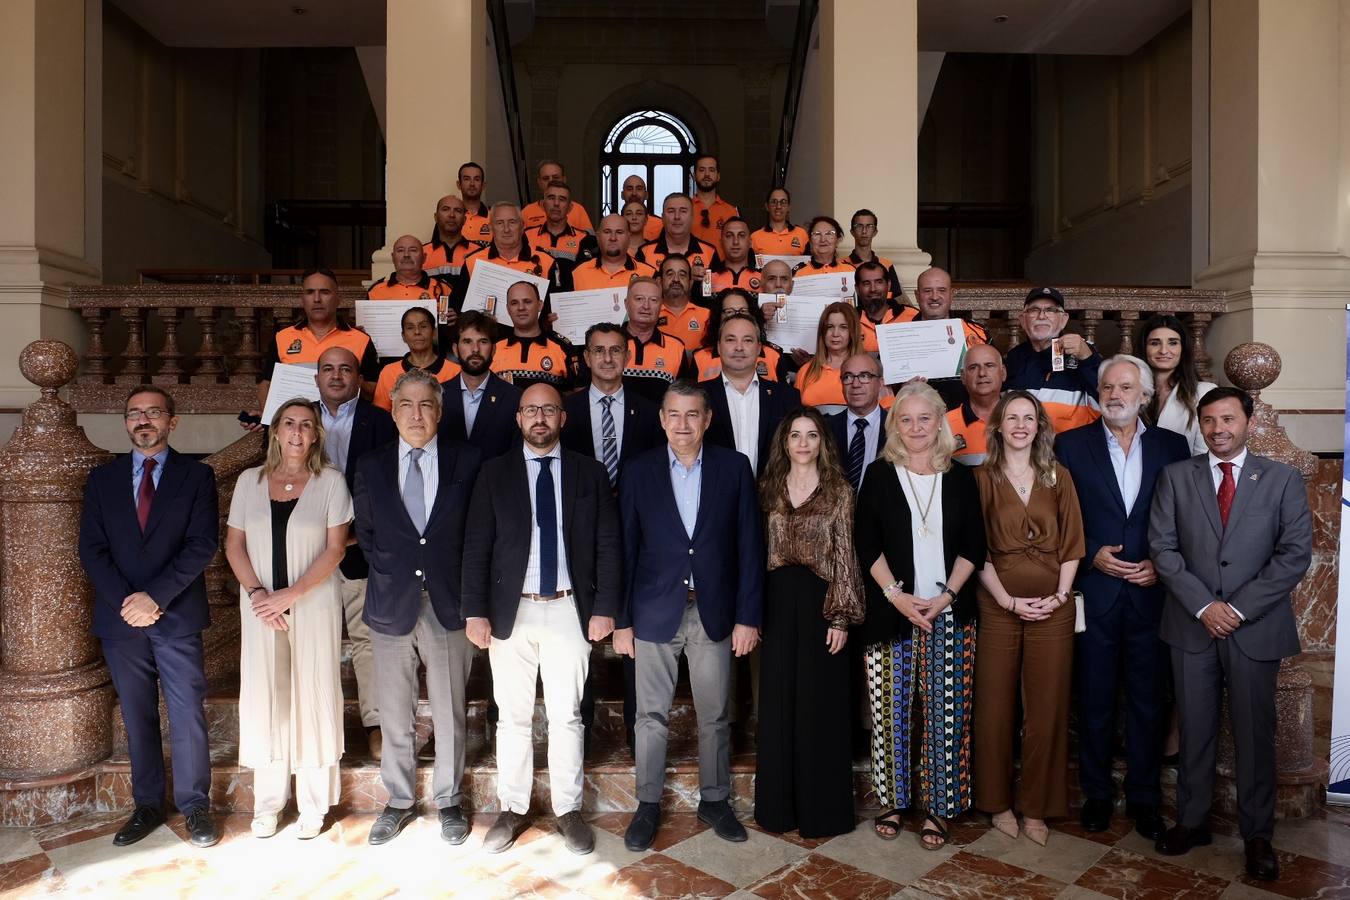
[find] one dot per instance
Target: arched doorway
(652, 144)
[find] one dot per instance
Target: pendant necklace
(922, 530)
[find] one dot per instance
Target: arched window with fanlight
(652, 144)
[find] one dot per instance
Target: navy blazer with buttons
(167, 561)
(725, 555)
(494, 427)
(641, 425)
(371, 427)
(775, 402)
(400, 558)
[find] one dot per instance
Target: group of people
(934, 563)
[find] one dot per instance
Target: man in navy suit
(353, 426)
(411, 498)
(1114, 464)
(694, 583)
(860, 430)
(746, 409)
(149, 528)
(479, 407)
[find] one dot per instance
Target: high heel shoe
(1006, 822)
(1036, 833)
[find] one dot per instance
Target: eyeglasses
(859, 377)
(783, 202)
(548, 409)
(862, 227)
(703, 217)
(154, 414)
(823, 235)
(1042, 312)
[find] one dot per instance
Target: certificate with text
(794, 324)
(383, 321)
(579, 310)
(835, 285)
(488, 286)
(288, 382)
(932, 349)
(793, 261)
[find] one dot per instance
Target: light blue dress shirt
(338, 431)
(1129, 469)
(138, 469)
(472, 400)
(431, 471)
(686, 483)
(532, 467)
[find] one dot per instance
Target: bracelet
(947, 590)
(251, 591)
(893, 587)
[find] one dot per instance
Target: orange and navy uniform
(591, 275)
(568, 248)
(656, 364)
(827, 390)
(528, 261)
(708, 220)
(478, 225)
(708, 365)
(701, 254)
(297, 345)
(444, 260)
(894, 313)
(651, 229)
(810, 267)
(533, 216)
(747, 279)
(441, 367)
(545, 358)
(688, 326)
(791, 241)
(1069, 397)
(892, 279)
(428, 287)
(970, 433)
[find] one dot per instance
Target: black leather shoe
(389, 824)
(577, 835)
(202, 830)
(1262, 863)
(641, 833)
(454, 826)
(1179, 839)
(1147, 821)
(718, 814)
(143, 821)
(1096, 815)
(504, 831)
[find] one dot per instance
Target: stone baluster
(1198, 323)
(209, 356)
(245, 370)
(1091, 318)
(1014, 329)
(95, 354)
(55, 695)
(1129, 318)
(169, 369)
(133, 368)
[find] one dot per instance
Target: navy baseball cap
(1046, 293)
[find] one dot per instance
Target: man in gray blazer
(1231, 536)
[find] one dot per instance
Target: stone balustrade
(207, 341)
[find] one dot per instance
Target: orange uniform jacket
(701, 254)
(441, 367)
(793, 241)
(297, 345)
(478, 224)
(969, 430)
(827, 390)
(590, 275)
(569, 247)
(533, 216)
(444, 261)
(655, 365)
(714, 216)
(688, 326)
(747, 279)
(543, 359)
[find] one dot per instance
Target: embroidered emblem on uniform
(960, 442)
(661, 321)
(762, 368)
(546, 364)
(693, 324)
(295, 346)
(796, 243)
(754, 284)
(660, 363)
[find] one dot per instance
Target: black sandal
(936, 830)
(888, 824)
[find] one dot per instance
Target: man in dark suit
(411, 497)
(149, 527)
(542, 575)
(860, 430)
(694, 584)
(479, 407)
(353, 426)
(1231, 537)
(746, 409)
(1114, 464)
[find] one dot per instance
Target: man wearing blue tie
(860, 430)
(694, 584)
(411, 498)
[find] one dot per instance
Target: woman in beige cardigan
(287, 533)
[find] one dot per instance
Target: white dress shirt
(532, 467)
(431, 472)
(1216, 474)
(871, 434)
(744, 409)
(1175, 416)
(338, 431)
(1129, 468)
(597, 417)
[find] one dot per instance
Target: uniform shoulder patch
(296, 346)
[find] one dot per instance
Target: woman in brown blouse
(804, 778)
(1035, 534)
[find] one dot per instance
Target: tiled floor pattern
(688, 860)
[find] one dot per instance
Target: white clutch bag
(1079, 616)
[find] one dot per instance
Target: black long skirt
(804, 772)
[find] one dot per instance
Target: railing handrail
(501, 39)
(792, 96)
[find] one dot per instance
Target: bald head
(451, 212)
(934, 294)
(541, 417)
(613, 237)
(982, 373)
(338, 376)
(408, 258)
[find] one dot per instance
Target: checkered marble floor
(78, 858)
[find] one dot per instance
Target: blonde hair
(314, 459)
(815, 368)
(945, 445)
(1042, 448)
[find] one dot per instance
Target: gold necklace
(1022, 490)
(922, 530)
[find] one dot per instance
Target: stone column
(1273, 141)
(55, 696)
(869, 73)
(436, 48)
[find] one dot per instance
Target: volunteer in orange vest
(837, 338)
(680, 318)
(550, 170)
(710, 210)
(863, 227)
(779, 237)
(635, 190)
(613, 267)
(478, 217)
(983, 376)
(734, 267)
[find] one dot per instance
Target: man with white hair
(1114, 463)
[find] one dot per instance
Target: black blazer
(884, 527)
(167, 562)
(497, 546)
(838, 423)
(494, 428)
(400, 558)
(371, 427)
(641, 425)
(775, 402)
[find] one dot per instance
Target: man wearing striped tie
(859, 431)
